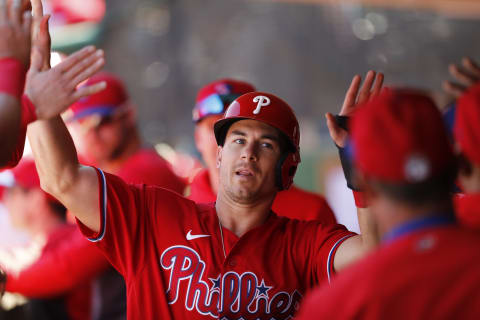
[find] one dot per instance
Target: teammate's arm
(14, 59)
(355, 247)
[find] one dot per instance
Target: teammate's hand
(15, 24)
(52, 91)
(466, 76)
(354, 96)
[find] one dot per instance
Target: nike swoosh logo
(191, 236)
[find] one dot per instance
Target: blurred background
(305, 51)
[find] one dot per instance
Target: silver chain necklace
(221, 235)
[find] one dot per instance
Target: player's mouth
(244, 172)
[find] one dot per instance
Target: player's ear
(219, 156)
(198, 140)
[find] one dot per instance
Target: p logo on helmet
(261, 101)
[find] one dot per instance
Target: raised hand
(465, 75)
(52, 91)
(15, 32)
(354, 97)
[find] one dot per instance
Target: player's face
(17, 202)
(205, 140)
(247, 161)
(101, 138)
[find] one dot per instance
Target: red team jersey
(76, 297)
(293, 203)
(146, 166)
(467, 209)
(428, 274)
(179, 263)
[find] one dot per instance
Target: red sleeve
(123, 219)
(60, 270)
(322, 242)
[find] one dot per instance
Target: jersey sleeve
(130, 216)
(59, 270)
(123, 220)
(318, 247)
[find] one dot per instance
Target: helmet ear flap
(285, 170)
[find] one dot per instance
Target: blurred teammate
(107, 136)
(184, 260)
(42, 217)
(467, 137)
(211, 103)
(427, 265)
(16, 108)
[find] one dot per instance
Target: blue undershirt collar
(419, 224)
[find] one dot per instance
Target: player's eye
(267, 145)
(239, 141)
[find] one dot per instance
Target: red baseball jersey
(432, 273)
(468, 210)
(293, 203)
(146, 166)
(76, 298)
(179, 263)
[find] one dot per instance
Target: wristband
(360, 199)
(12, 77)
(29, 113)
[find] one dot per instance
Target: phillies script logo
(231, 295)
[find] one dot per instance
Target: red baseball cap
(215, 97)
(26, 176)
(467, 119)
(399, 136)
(103, 103)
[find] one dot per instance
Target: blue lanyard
(418, 224)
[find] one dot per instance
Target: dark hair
(430, 191)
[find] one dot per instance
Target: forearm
(368, 229)
(61, 175)
(10, 116)
(55, 155)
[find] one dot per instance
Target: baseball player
(17, 109)
(234, 258)
(427, 265)
(43, 217)
(211, 102)
(104, 124)
(467, 136)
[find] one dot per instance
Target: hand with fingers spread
(355, 96)
(15, 25)
(465, 75)
(52, 91)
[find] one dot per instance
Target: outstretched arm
(56, 159)
(355, 247)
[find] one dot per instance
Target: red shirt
(428, 274)
(38, 281)
(467, 208)
(293, 203)
(179, 263)
(146, 166)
